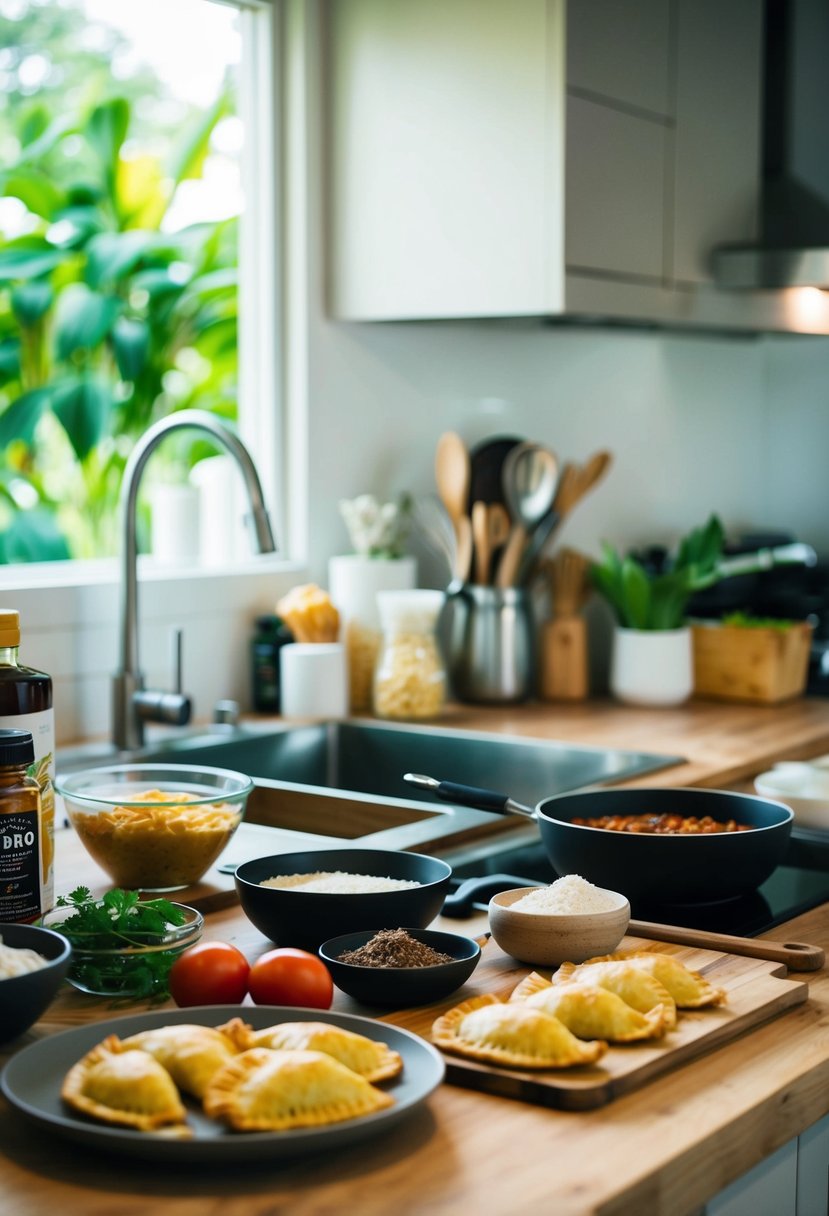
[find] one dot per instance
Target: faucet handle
(174, 708)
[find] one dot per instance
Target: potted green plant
(652, 657)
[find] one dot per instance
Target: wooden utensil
(490, 530)
(798, 956)
(563, 667)
(452, 473)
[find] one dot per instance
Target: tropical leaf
(35, 190)
(82, 406)
(33, 536)
(131, 343)
(28, 258)
(47, 140)
(111, 255)
(18, 420)
(31, 300)
(9, 358)
(144, 192)
(83, 319)
(187, 160)
(105, 130)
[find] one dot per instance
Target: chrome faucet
(132, 704)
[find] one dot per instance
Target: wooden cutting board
(757, 990)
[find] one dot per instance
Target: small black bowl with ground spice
(398, 968)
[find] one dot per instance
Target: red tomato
(209, 973)
(291, 977)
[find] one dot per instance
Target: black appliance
(800, 883)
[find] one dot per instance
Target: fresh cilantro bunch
(120, 921)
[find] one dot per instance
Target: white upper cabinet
(497, 158)
(446, 122)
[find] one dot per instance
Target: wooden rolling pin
(798, 956)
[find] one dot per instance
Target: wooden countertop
(722, 742)
(663, 1150)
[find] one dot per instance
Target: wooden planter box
(740, 663)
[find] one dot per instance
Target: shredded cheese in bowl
(18, 960)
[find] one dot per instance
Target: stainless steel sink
(345, 779)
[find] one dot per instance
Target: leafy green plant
(107, 321)
(643, 600)
(119, 921)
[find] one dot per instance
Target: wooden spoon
(452, 477)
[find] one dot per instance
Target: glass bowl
(154, 827)
(139, 968)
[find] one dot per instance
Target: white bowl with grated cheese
(569, 921)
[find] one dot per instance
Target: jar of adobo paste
(23, 895)
(410, 677)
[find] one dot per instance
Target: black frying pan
(680, 869)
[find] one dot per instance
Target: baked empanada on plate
(373, 1060)
(265, 1090)
(689, 989)
(636, 988)
(130, 1089)
(484, 1028)
(590, 1012)
(191, 1054)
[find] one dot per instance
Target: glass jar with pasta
(410, 677)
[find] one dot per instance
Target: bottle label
(20, 881)
(42, 727)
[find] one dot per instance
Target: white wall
(696, 423)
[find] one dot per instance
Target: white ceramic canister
(354, 581)
(652, 666)
(313, 680)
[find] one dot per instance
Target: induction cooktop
(801, 882)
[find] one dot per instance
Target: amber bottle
(21, 829)
(26, 704)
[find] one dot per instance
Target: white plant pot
(652, 666)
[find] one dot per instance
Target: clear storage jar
(410, 676)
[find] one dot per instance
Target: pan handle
(470, 795)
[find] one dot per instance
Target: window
(135, 171)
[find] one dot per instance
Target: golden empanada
(266, 1090)
(591, 1012)
(191, 1054)
(636, 988)
(689, 989)
(513, 1035)
(130, 1088)
(372, 1060)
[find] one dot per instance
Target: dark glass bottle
(22, 895)
(26, 704)
(270, 636)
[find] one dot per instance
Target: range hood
(793, 246)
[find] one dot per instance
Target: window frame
(261, 425)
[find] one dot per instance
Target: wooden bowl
(546, 939)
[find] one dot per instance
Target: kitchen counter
(662, 1150)
(723, 742)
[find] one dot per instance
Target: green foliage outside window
(107, 321)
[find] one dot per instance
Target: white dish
(32, 1079)
(803, 787)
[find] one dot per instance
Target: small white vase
(652, 666)
(353, 583)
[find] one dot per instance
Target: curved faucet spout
(130, 709)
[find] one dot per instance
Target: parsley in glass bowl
(123, 945)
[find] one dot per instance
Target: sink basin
(344, 779)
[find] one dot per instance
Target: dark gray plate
(32, 1079)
